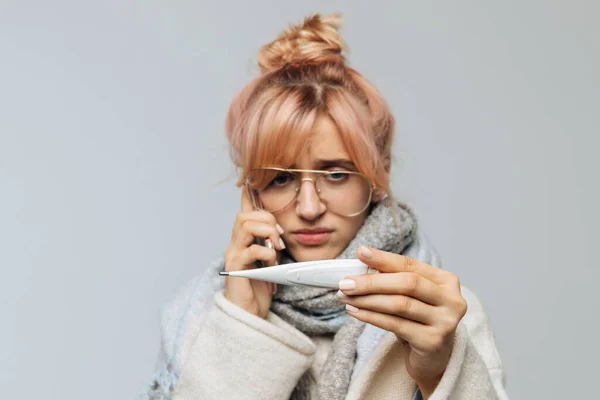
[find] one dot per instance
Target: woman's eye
(337, 176)
(282, 179)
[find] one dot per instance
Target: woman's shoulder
(477, 320)
(194, 297)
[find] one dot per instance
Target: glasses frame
(320, 174)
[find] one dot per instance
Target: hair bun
(316, 40)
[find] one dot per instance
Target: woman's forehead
(324, 146)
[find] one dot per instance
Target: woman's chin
(313, 254)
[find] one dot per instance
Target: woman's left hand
(420, 303)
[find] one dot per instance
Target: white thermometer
(321, 273)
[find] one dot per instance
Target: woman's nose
(308, 204)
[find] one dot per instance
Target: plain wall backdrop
(116, 186)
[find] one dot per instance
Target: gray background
(116, 185)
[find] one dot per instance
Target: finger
(248, 257)
(389, 262)
(258, 253)
(411, 331)
(400, 283)
(250, 230)
(402, 306)
(258, 215)
(270, 245)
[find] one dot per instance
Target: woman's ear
(379, 193)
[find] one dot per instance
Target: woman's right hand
(242, 253)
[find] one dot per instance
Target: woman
(312, 139)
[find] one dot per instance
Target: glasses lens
(344, 193)
(275, 189)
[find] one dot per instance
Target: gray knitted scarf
(318, 311)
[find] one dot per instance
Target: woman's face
(324, 151)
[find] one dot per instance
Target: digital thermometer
(321, 273)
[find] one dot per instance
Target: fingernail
(351, 308)
(269, 243)
(343, 296)
(347, 284)
(366, 252)
(279, 229)
(275, 288)
(281, 243)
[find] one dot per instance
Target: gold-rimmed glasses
(346, 193)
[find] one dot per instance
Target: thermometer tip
(224, 273)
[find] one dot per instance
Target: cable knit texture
(212, 349)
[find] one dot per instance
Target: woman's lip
(314, 230)
(312, 238)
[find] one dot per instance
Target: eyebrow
(338, 162)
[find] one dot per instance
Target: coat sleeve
(210, 348)
(238, 355)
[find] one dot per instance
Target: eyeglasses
(346, 193)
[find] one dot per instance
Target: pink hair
(306, 76)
